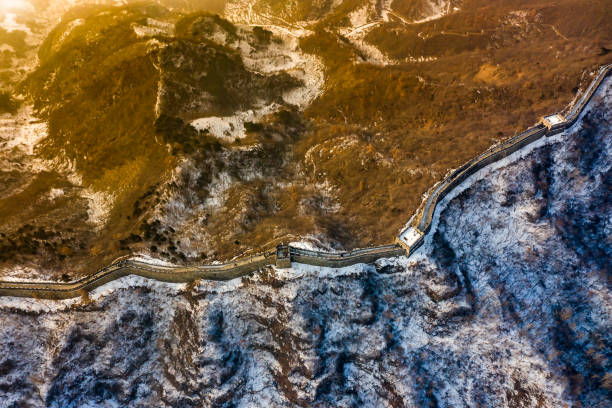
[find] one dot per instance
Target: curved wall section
(184, 274)
(407, 242)
(411, 237)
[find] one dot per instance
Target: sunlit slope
(118, 88)
(415, 88)
(102, 86)
(445, 90)
(97, 86)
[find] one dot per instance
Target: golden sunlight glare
(14, 4)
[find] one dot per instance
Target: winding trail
(409, 239)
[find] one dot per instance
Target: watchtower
(410, 239)
(555, 123)
(283, 256)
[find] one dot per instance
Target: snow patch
(24, 274)
(70, 28)
(36, 305)
(286, 56)
(134, 281)
(10, 23)
(283, 56)
(230, 128)
(21, 130)
(221, 183)
(99, 206)
(359, 17)
(20, 134)
(313, 243)
(362, 21)
(153, 28)
(55, 193)
(435, 9)
(145, 258)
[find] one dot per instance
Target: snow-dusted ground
(21, 131)
(280, 56)
(313, 243)
(361, 21)
(20, 136)
(507, 304)
(230, 128)
(433, 10)
(370, 15)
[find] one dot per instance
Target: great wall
(408, 241)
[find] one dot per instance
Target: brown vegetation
(353, 167)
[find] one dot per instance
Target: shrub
(8, 104)
(253, 127)
(263, 36)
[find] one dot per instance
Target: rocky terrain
(507, 304)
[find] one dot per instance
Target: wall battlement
(408, 241)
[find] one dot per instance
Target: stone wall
(284, 255)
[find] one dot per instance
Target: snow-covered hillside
(507, 304)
